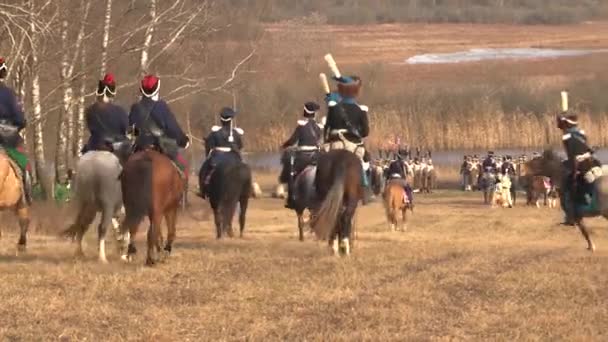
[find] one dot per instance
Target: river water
(476, 55)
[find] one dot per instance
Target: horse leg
(217, 216)
(334, 244)
(404, 219)
(581, 226)
(301, 225)
(346, 225)
(24, 223)
(228, 215)
(153, 240)
(85, 217)
(171, 220)
(106, 220)
(244, 202)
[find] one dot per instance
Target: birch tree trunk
(37, 133)
(106, 38)
(64, 114)
(145, 51)
(78, 142)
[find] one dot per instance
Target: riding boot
(567, 207)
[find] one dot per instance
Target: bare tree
(106, 37)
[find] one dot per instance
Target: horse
(339, 189)
(487, 185)
(377, 178)
(395, 200)
(13, 198)
(549, 165)
(97, 189)
(540, 186)
(230, 184)
(152, 186)
(304, 195)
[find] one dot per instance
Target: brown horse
(339, 190)
(153, 187)
(11, 197)
(395, 200)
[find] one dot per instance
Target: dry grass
(462, 271)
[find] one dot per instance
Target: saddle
(18, 172)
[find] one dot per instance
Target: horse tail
(326, 217)
(136, 183)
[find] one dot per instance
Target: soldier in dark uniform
(12, 122)
(107, 123)
(347, 121)
(580, 164)
(154, 124)
(224, 142)
(489, 164)
(398, 170)
(508, 168)
(306, 139)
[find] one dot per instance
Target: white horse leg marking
(102, 251)
(346, 246)
(335, 247)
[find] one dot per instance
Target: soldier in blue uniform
(107, 123)
(347, 121)
(579, 166)
(223, 143)
(12, 122)
(489, 164)
(398, 170)
(305, 140)
(155, 126)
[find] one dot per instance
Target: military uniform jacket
(148, 111)
(507, 168)
(219, 139)
(106, 122)
(575, 144)
(306, 136)
(396, 167)
(356, 114)
(11, 114)
(489, 165)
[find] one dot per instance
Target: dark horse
(339, 190)
(229, 185)
(151, 186)
(549, 165)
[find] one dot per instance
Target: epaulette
(215, 128)
(364, 108)
(239, 130)
(302, 122)
(332, 103)
(321, 126)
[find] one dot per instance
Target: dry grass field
(462, 271)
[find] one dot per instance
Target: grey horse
(96, 188)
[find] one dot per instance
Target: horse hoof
(150, 262)
(591, 248)
(21, 248)
(126, 258)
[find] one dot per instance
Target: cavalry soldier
(154, 124)
(107, 123)
(12, 122)
(306, 139)
(582, 168)
(225, 141)
(347, 121)
(397, 169)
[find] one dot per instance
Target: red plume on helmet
(150, 85)
(107, 86)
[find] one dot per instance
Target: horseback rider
(107, 123)
(12, 123)
(397, 170)
(225, 142)
(306, 139)
(347, 121)
(582, 168)
(154, 125)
